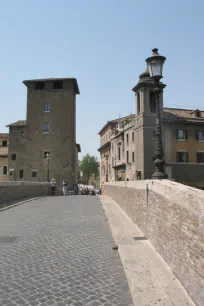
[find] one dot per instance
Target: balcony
(118, 163)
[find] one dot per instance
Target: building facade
(3, 157)
(184, 145)
(49, 129)
(105, 152)
(123, 149)
(132, 140)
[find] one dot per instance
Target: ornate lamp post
(155, 65)
(48, 166)
(106, 156)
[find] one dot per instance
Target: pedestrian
(53, 185)
(64, 187)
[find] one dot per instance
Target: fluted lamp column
(155, 66)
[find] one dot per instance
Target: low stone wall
(12, 192)
(171, 216)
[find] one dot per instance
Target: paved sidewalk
(58, 251)
(150, 279)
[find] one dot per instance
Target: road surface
(58, 251)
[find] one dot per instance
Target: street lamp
(48, 164)
(155, 66)
(106, 156)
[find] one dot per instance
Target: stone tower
(145, 123)
(50, 128)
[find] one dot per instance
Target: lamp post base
(159, 176)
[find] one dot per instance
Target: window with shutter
(182, 157)
(186, 134)
(200, 136)
(200, 157)
(181, 135)
(186, 157)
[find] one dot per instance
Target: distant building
(3, 157)
(123, 149)
(105, 152)
(49, 128)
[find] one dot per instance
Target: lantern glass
(155, 64)
(155, 67)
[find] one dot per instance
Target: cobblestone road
(58, 251)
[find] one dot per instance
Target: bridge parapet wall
(12, 192)
(171, 216)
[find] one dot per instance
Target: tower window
(34, 173)
(13, 156)
(4, 143)
(39, 86)
(152, 102)
(47, 107)
(46, 127)
(21, 173)
(5, 170)
(57, 85)
(138, 104)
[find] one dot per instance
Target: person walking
(64, 187)
(53, 185)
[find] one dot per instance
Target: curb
(19, 203)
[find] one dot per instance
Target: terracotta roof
(3, 150)
(18, 123)
(184, 113)
(4, 135)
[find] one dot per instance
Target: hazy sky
(104, 45)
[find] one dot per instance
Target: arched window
(152, 102)
(138, 103)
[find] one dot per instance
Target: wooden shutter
(186, 157)
(186, 134)
(177, 133)
(177, 157)
(198, 157)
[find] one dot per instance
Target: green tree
(89, 167)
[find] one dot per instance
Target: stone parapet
(12, 192)
(171, 216)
